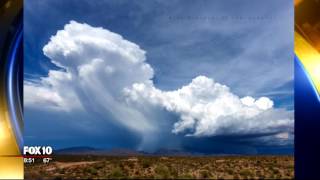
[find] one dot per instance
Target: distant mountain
(77, 150)
(174, 152)
(84, 150)
(95, 151)
(122, 152)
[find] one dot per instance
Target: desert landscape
(162, 167)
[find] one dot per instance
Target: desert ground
(161, 167)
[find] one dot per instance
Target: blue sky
(244, 45)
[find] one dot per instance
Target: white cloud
(263, 103)
(107, 76)
(96, 65)
(208, 108)
(283, 135)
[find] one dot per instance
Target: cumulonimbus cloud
(103, 73)
(208, 108)
(95, 64)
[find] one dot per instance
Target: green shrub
(117, 173)
(61, 171)
(230, 171)
(91, 170)
(185, 176)
(162, 171)
(275, 171)
(130, 165)
(174, 172)
(258, 162)
(204, 174)
(245, 172)
(146, 163)
(290, 166)
(99, 165)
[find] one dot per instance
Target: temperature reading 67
(46, 160)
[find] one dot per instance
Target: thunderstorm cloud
(102, 74)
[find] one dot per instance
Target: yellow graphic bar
(310, 59)
(11, 161)
(10, 167)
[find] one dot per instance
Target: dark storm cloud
(66, 130)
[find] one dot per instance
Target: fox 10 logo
(37, 150)
(30, 153)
